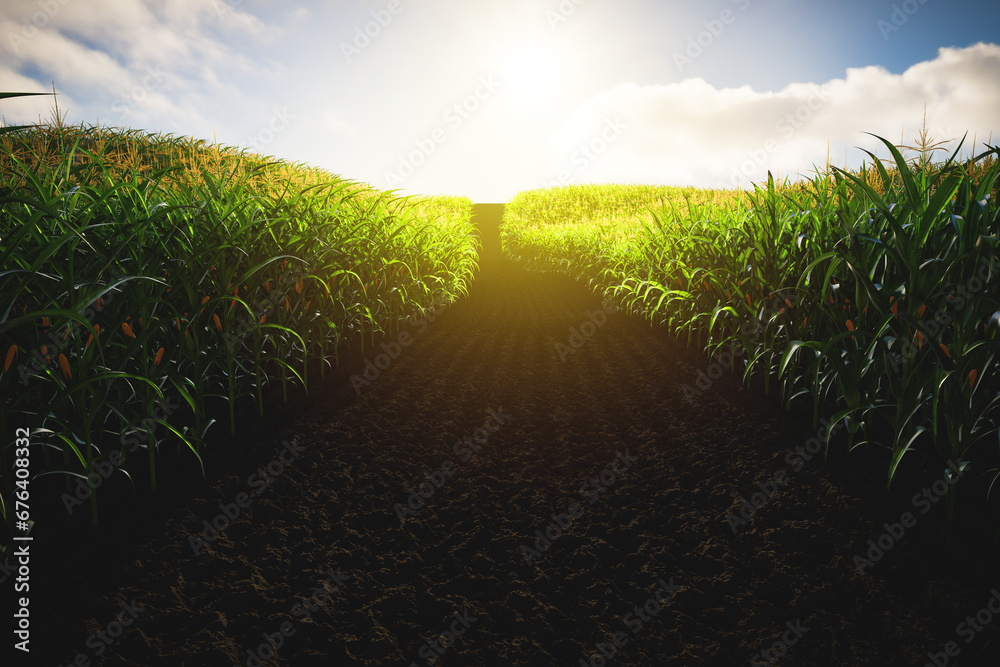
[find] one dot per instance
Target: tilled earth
(587, 437)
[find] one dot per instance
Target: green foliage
(874, 292)
(141, 271)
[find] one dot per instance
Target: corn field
(872, 295)
(140, 270)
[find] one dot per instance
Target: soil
(588, 436)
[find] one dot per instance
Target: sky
(489, 98)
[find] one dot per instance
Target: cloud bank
(692, 133)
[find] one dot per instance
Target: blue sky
(486, 98)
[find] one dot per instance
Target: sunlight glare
(529, 71)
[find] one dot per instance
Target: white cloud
(693, 133)
(66, 59)
(158, 64)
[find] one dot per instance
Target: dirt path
(651, 563)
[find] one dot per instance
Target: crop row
(872, 294)
(145, 271)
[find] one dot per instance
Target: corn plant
(140, 269)
(870, 294)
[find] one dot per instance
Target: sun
(529, 71)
